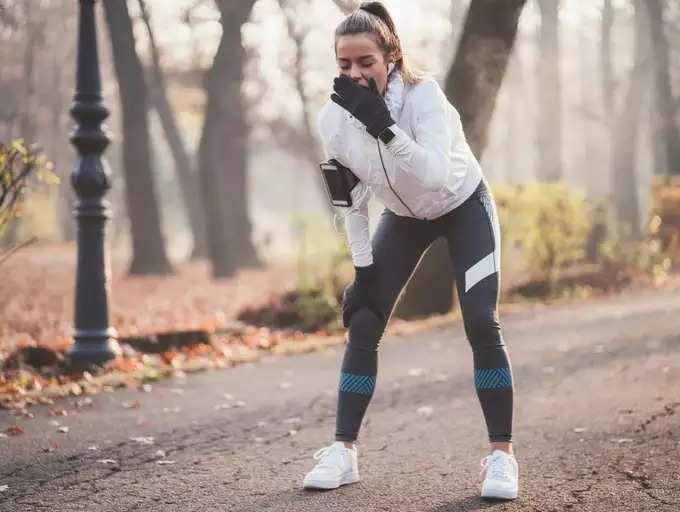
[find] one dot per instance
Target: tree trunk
(549, 95)
(223, 149)
(189, 188)
(148, 250)
(312, 153)
(625, 133)
(670, 134)
(475, 77)
(472, 85)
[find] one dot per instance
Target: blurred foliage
(324, 267)
(323, 260)
(545, 227)
(666, 214)
(18, 165)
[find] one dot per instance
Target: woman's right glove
(362, 293)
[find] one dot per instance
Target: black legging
(471, 230)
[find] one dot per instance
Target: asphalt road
(597, 427)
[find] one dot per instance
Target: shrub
(17, 165)
(545, 228)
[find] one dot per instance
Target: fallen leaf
(426, 410)
(292, 432)
(15, 430)
(2, 435)
(63, 430)
(143, 421)
(143, 440)
(221, 406)
(147, 388)
(85, 402)
(93, 447)
(132, 405)
(59, 412)
(416, 372)
(292, 420)
(171, 409)
(162, 462)
(3, 488)
(227, 396)
(53, 423)
(107, 461)
(261, 423)
(50, 448)
(578, 430)
(159, 453)
(22, 412)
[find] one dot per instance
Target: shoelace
(321, 456)
(498, 467)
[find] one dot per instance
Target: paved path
(597, 427)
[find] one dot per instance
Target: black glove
(366, 104)
(362, 293)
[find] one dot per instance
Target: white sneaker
(337, 466)
(502, 475)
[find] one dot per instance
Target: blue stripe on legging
(351, 383)
(493, 378)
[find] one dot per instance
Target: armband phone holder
(339, 181)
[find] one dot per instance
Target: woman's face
(359, 57)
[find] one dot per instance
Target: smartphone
(339, 182)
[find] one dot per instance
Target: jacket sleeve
(355, 216)
(427, 157)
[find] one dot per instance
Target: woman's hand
(366, 104)
(362, 293)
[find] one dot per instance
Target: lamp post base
(93, 346)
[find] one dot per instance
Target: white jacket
(429, 162)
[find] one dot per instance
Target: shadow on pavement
(467, 503)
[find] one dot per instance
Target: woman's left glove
(366, 104)
(362, 293)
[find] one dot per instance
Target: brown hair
(373, 18)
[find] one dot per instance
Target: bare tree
(223, 149)
(670, 134)
(148, 249)
(189, 188)
(549, 130)
(624, 125)
(346, 6)
(311, 150)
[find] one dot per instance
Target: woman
(404, 141)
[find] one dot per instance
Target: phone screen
(335, 186)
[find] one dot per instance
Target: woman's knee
(483, 330)
(366, 329)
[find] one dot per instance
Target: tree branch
(346, 6)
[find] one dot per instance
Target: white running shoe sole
(499, 494)
(347, 478)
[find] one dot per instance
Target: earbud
(390, 67)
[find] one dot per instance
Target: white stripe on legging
(484, 267)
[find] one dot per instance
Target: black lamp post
(94, 339)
